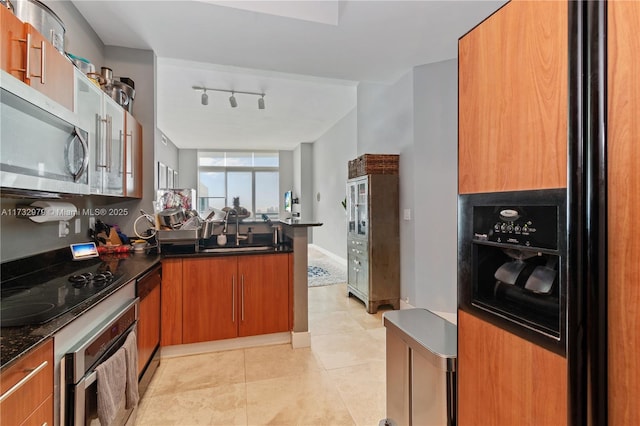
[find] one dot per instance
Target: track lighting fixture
(232, 99)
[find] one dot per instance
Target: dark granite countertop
(16, 341)
(189, 251)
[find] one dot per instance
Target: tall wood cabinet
(373, 238)
(623, 150)
(512, 135)
(512, 95)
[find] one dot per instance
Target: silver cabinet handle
(130, 149)
(28, 67)
(26, 41)
(121, 159)
(24, 380)
(43, 50)
(233, 298)
(242, 295)
(101, 153)
(109, 142)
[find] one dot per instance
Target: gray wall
(385, 126)
(331, 153)
(187, 168)
(80, 39)
(436, 180)
(415, 117)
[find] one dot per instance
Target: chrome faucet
(238, 235)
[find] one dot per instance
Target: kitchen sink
(236, 249)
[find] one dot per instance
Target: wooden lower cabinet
(506, 380)
(148, 316)
(209, 299)
(32, 402)
(224, 297)
(171, 303)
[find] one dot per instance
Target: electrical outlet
(78, 226)
(407, 214)
(63, 228)
(92, 222)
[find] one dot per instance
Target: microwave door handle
(77, 174)
(85, 156)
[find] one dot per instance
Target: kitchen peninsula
(236, 294)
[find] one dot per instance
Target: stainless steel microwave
(44, 151)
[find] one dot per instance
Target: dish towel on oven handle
(131, 348)
(112, 381)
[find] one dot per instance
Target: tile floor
(339, 380)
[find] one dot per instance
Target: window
(251, 176)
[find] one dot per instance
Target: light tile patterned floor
(339, 380)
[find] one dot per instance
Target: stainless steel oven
(80, 388)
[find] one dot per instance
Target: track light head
(205, 98)
(232, 101)
(261, 102)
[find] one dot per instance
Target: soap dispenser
(249, 236)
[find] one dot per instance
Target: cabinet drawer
(26, 385)
(358, 246)
(43, 414)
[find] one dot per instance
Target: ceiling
(307, 56)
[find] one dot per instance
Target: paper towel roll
(54, 211)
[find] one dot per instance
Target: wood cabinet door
(264, 294)
(506, 380)
(512, 96)
(13, 48)
(171, 302)
(148, 327)
(209, 309)
(49, 72)
(133, 156)
(623, 151)
(32, 400)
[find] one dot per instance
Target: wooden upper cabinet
(30, 57)
(133, 156)
(49, 72)
(623, 152)
(13, 50)
(512, 94)
(506, 380)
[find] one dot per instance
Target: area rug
(322, 270)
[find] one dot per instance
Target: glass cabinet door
(89, 108)
(115, 147)
(357, 197)
(361, 208)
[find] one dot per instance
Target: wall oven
(80, 388)
(513, 262)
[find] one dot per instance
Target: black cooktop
(41, 296)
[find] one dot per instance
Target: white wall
(331, 153)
